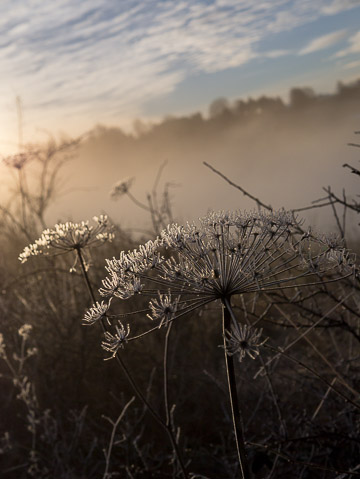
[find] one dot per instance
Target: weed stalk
(234, 401)
(165, 425)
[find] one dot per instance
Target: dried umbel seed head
(96, 312)
(227, 254)
(113, 342)
(121, 188)
(243, 340)
(65, 237)
(163, 308)
(18, 161)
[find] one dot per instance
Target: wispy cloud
(350, 65)
(77, 57)
(337, 6)
(353, 47)
(323, 42)
(276, 53)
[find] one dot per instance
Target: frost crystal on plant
(69, 236)
(243, 340)
(163, 308)
(96, 312)
(113, 342)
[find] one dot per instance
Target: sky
(77, 63)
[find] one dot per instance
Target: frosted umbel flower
(65, 237)
(163, 308)
(113, 342)
(228, 254)
(96, 312)
(243, 340)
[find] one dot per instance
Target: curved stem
(137, 202)
(234, 401)
(135, 387)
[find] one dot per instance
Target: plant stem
(165, 425)
(23, 201)
(112, 438)
(166, 381)
(155, 415)
(85, 275)
(234, 401)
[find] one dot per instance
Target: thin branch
(312, 371)
(353, 170)
(113, 432)
(245, 193)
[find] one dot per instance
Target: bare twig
(245, 193)
(112, 437)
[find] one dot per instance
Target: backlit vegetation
(232, 343)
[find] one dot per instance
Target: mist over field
(284, 282)
(281, 153)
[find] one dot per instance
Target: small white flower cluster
(24, 331)
(243, 340)
(126, 272)
(69, 236)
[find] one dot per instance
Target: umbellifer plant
(226, 255)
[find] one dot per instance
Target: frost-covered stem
(166, 379)
(85, 275)
(137, 391)
(234, 401)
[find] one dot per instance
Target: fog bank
(282, 153)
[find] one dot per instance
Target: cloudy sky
(75, 63)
